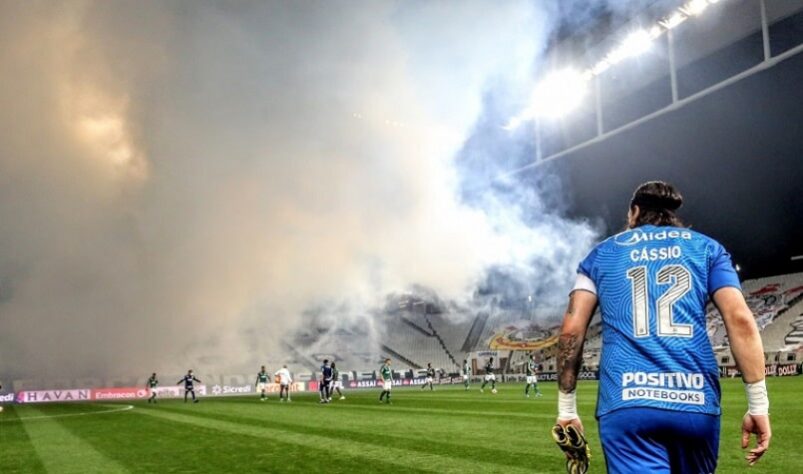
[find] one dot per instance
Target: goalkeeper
(659, 396)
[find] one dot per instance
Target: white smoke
(180, 182)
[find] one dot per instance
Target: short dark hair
(657, 202)
(326, 361)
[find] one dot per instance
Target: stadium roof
(736, 153)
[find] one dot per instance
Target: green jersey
(385, 373)
(530, 367)
(152, 382)
(431, 372)
(466, 369)
(263, 377)
(335, 375)
(489, 369)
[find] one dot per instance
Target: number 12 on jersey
(680, 280)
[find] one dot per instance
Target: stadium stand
(414, 336)
(776, 304)
(415, 340)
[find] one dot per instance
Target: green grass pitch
(447, 430)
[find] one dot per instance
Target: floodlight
(559, 93)
(695, 7)
(674, 20)
(636, 43)
(600, 67)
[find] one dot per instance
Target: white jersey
(284, 376)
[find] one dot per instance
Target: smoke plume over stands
(180, 183)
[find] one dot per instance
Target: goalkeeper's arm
(570, 349)
(748, 351)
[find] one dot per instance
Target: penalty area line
(65, 415)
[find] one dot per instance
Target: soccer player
(189, 388)
(430, 377)
(387, 381)
(284, 383)
(532, 377)
(326, 382)
(489, 376)
(151, 385)
(466, 374)
(262, 384)
(659, 394)
(337, 384)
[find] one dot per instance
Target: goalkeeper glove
(572, 442)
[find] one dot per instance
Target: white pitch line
(97, 412)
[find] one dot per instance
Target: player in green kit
(466, 374)
(151, 386)
(337, 384)
(489, 376)
(430, 377)
(387, 381)
(262, 384)
(532, 377)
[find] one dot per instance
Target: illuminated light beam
(559, 93)
(600, 67)
(694, 7)
(673, 21)
(563, 98)
(514, 123)
(634, 44)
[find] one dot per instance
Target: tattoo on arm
(570, 308)
(570, 349)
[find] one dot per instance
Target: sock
(527, 389)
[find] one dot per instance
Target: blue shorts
(654, 441)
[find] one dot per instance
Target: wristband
(567, 405)
(758, 403)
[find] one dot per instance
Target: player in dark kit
(326, 382)
(151, 386)
(189, 388)
(430, 377)
(489, 376)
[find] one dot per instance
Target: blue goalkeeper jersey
(653, 284)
